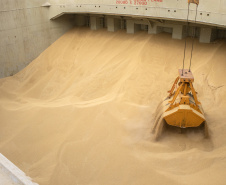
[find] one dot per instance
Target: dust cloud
(82, 112)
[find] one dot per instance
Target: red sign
(136, 2)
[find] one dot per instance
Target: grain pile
(82, 112)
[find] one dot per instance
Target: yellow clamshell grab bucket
(181, 108)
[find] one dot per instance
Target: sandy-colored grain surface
(81, 113)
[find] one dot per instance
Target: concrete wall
(11, 174)
(27, 28)
(26, 31)
(209, 12)
(159, 15)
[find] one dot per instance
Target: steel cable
(193, 38)
(185, 43)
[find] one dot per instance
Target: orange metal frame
(184, 88)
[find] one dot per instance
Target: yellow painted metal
(184, 118)
(185, 89)
(174, 86)
(194, 1)
(176, 94)
(183, 108)
(184, 100)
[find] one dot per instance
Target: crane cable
(185, 42)
(193, 36)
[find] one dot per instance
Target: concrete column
(154, 29)
(178, 32)
(95, 23)
(205, 35)
(132, 27)
(113, 24)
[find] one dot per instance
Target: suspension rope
(193, 37)
(185, 43)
